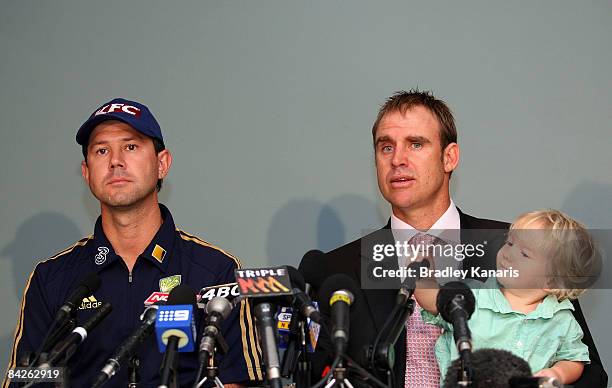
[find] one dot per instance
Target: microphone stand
(133, 372)
(295, 360)
(169, 366)
(339, 373)
(383, 353)
(304, 366)
(466, 373)
(339, 378)
(212, 371)
(51, 339)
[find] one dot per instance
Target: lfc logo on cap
(112, 108)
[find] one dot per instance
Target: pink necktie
(421, 365)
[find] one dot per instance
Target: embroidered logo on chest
(101, 256)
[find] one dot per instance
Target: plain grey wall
(267, 106)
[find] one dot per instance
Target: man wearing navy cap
(137, 252)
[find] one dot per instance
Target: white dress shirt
(447, 228)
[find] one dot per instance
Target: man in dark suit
(416, 151)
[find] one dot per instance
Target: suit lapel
(379, 301)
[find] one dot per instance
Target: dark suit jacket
(376, 304)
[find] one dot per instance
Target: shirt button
(519, 344)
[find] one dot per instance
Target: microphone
(301, 301)
(265, 285)
(409, 284)
(175, 319)
(302, 309)
(217, 310)
(266, 327)
(127, 348)
(456, 303)
(310, 268)
(175, 330)
(339, 290)
(493, 368)
(383, 351)
(88, 285)
(79, 334)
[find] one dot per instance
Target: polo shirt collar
(493, 299)
(157, 252)
(159, 249)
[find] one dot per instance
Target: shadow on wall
(38, 238)
(305, 224)
(591, 204)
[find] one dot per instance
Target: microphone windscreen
(182, 294)
(310, 267)
(444, 302)
(493, 368)
(86, 286)
(334, 283)
(297, 280)
(91, 282)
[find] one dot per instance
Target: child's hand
(548, 372)
(566, 372)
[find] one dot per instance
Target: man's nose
(400, 157)
(117, 160)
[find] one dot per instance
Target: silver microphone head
(219, 305)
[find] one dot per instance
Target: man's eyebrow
(98, 143)
(410, 138)
(123, 139)
(417, 139)
(383, 139)
(132, 138)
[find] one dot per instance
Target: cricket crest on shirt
(167, 284)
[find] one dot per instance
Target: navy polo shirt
(173, 257)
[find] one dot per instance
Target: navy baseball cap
(135, 114)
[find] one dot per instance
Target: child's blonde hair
(574, 262)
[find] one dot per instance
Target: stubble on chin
(124, 199)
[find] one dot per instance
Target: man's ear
(164, 162)
(450, 157)
(85, 172)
